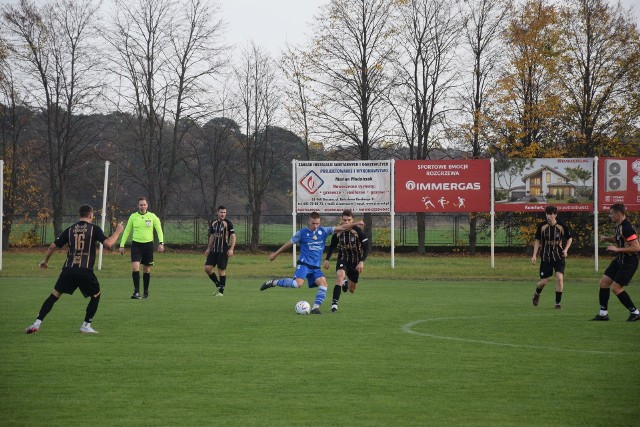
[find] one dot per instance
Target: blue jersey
(311, 245)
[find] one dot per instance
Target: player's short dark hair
(314, 215)
(143, 198)
(551, 210)
(618, 207)
(347, 212)
(222, 207)
(85, 210)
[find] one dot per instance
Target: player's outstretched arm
(282, 248)
(346, 227)
(111, 240)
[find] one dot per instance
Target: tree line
(152, 87)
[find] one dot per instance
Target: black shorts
(547, 268)
(622, 273)
(73, 278)
(142, 253)
(352, 274)
(220, 259)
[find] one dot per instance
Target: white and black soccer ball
(303, 307)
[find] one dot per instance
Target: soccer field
(408, 348)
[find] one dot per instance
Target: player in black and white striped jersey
(222, 241)
(553, 239)
(353, 249)
(620, 271)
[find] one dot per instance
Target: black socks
(47, 305)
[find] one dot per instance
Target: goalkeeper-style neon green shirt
(142, 226)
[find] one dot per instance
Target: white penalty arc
(408, 328)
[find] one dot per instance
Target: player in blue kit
(312, 240)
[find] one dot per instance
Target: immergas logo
(442, 186)
(311, 182)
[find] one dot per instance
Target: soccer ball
(303, 307)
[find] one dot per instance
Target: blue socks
(322, 293)
(291, 283)
(287, 283)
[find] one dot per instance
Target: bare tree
(484, 24)
(52, 47)
(166, 55)
(428, 36)
(297, 93)
(349, 56)
(426, 77)
(258, 97)
(602, 53)
(210, 157)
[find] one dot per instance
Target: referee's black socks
(146, 279)
(135, 275)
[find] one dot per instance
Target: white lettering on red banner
(442, 185)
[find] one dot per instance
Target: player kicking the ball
(312, 240)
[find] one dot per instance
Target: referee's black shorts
(142, 253)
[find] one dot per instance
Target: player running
(353, 249)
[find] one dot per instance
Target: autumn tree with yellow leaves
(525, 114)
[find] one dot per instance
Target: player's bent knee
(617, 288)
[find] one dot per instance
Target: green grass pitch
(443, 341)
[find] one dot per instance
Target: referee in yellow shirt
(141, 225)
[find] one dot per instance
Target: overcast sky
(273, 23)
(268, 23)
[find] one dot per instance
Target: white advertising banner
(363, 186)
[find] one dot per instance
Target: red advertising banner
(442, 185)
(619, 182)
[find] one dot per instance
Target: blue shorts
(311, 274)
